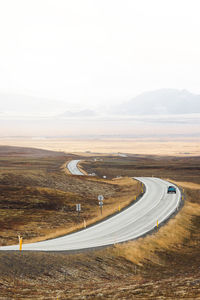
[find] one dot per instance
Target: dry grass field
(175, 168)
(164, 265)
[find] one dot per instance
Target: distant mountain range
(160, 113)
(160, 102)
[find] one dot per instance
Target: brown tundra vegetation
(38, 200)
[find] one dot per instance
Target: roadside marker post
(101, 206)
(119, 208)
(101, 198)
(157, 223)
(20, 242)
(20, 247)
(78, 208)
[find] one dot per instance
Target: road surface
(73, 168)
(135, 221)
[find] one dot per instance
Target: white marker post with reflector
(78, 208)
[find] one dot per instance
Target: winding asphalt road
(135, 221)
(73, 167)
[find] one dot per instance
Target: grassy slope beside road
(38, 199)
(149, 268)
(161, 266)
(175, 168)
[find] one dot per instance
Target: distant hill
(163, 101)
(22, 105)
(24, 151)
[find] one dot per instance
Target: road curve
(135, 221)
(73, 168)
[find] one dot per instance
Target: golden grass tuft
(169, 237)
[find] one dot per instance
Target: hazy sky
(92, 52)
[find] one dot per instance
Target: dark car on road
(171, 189)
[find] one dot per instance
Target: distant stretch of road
(135, 221)
(73, 168)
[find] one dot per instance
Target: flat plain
(146, 146)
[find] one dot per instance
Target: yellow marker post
(119, 208)
(157, 223)
(19, 240)
(20, 243)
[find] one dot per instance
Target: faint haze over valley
(99, 68)
(164, 112)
